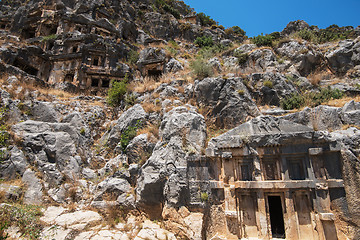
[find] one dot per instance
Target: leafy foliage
(133, 57)
(204, 41)
(311, 99)
(49, 37)
(329, 34)
(204, 197)
(201, 68)
(128, 135)
(205, 20)
(236, 30)
(262, 40)
(166, 5)
(242, 57)
(117, 92)
(25, 217)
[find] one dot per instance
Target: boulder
(134, 116)
(163, 178)
(350, 113)
(345, 56)
(319, 118)
(261, 60)
(114, 189)
(303, 55)
(11, 192)
(33, 194)
(270, 87)
(52, 146)
(78, 220)
(173, 66)
(13, 166)
(295, 26)
(44, 112)
(227, 100)
(163, 26)
(139, 149)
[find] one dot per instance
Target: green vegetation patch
(311, 99)
(25, 217)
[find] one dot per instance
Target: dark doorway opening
(154, 73)
(276, 217)
(69, 77)
(95, 82)
(25, 67)
(105, 83)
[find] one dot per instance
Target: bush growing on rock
(117, 92)
(262, 40)
(201, 68)
(205, 20)
(311, 99)
(204, 41)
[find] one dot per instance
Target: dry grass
(150, 129)
(341, 102)
(316, 77)
(151, 107)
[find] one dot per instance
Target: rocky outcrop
(133, 117)
(162, 179)
(226, 100)
(304, 56)
(295, 26)
(345, 56)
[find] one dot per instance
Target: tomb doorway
(276, 217)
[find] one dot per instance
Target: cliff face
(117, 112)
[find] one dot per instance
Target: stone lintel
(315, 151)
(327, 216)
(292, 184)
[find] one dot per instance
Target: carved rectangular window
(94, 82)
(296, 169)
(96, 61)
(245, 172)
(271, 169)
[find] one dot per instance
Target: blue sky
(265, 16)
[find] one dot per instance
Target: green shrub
(128, 135)
(201, 68)
(262, 40)
(268, 84)
(205, 20)
(204, 197)
(306, 35)
(117, 92)
(311, 99)
(82, 131)
(25, 217)
(204, 41)
(49, 37)
(132, 57)
(241, 92)
(242, 57)
(166, 6)
(238, 31)
(295, 101)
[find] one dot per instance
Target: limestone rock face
(163, 176)
(134, 115)
(345, 56)
(52, 146)
(173, 66)
(227, 100)
(33, 194)
(305, 58)
(139, 149)
(15, 165)
(295, 26)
